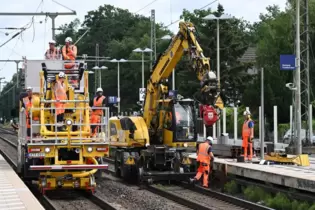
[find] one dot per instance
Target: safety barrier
(76, 119)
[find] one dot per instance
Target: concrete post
(224, 120)
(214, 131)
(275, 124)
(204, 131)
(310, 119)
(260, 123)
(291, 118)
(235, 124)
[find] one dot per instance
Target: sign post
(287, 62)
(142, 94)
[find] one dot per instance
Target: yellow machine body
(300, 160)
(68, 158)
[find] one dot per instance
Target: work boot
(192, 180)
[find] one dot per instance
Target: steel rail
(203, 191)
(44, 200)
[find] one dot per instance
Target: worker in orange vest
(27, 105)
(204, 155)
(60, 92)
(69, 53)
(98, 101)
(248, 135)
(53, 53)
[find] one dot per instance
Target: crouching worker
(204, 155)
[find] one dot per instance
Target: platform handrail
(82, 131)
(64, 101)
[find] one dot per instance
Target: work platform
(297, 177)
(14, 194)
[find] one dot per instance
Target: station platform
(297, 177)
(14, 194)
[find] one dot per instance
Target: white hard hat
(210, 138)
(52, 42)
(246, 112)
(68, 39)
(99, 90)
(29, 89)
(61, 75)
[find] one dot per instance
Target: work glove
(251, 139)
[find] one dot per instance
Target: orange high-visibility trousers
(204, 169)
(95, 119)
(60, 108)
(245, 145)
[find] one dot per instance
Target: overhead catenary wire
(87, 30)
(12, 51)
(207, 5)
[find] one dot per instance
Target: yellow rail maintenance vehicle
(68, 158)
(156, 145)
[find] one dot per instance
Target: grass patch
(256, 194)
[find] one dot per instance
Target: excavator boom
(185, 42)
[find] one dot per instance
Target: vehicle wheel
(117, 164)
(98, 174)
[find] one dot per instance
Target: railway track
(67, 200)
(197, 197)
(182, 194)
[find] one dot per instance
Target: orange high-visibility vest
(53, 54)
(203, 155)
(246, 130)
(69, 53)
(60, 91)
(98, 103)
(28, 105)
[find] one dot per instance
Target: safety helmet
(52, 42)
(68, 39)
(209, 138)
(99, 90)
(246, 112)
(29, 89)
(61, 75)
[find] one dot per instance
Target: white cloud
(166, 12)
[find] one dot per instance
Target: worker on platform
(53, 53)
(69, 53)
(60, 93)
(27, 100)
(97, 113)
(204, 155)
(248, 135)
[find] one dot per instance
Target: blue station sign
(287, 62)
(112, 99)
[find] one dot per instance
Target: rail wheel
(98, 174)
(117, 163)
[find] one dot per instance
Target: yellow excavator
(154, 146)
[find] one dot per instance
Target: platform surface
(14, 194)
(298, 177)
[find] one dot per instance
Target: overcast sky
(34, 42)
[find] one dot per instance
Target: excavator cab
(183, 121)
